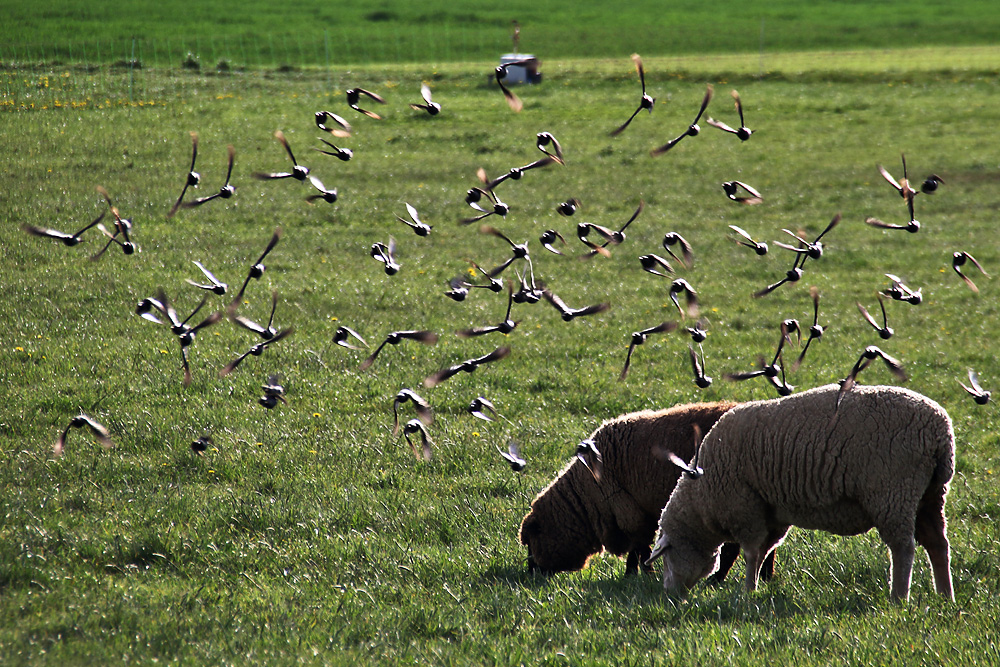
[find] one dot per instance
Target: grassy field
(304, 33)
(308, 533)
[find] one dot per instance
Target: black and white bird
(645, 102)
(429, 105)
(82, 421)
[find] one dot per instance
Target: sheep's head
(683, 563)
(558, 538)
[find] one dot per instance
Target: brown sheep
(576, 516)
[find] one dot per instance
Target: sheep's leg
(727, 558)
(931, 534)
(756, 555)
(901, 551)
(637, 559)
(767, 569)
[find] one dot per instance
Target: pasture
(307, 33)
(308, 533)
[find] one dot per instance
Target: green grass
(303, 33)
(310, 534)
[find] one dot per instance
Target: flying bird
(697, 332)
(481, 408)
(258, 267)
(266, 332)
(469, 365)
(504, 327)
(80, 421)
(979, 395)
(200, 444)
(792, 275)
(430, 106)
(273, 392)
(759, 247)
(329, 196)
(354, 97)
(958, 260)
(386, 254)
(494, 284)
(458, 288)
(899, 291)
(515, 173)
(671, 239)
(691, 470)
(692, 130)
(256, 350)
(186, 333)
(298, 172)
(420, 404)
(145, 307)
(342, 154)
(870, 354)
(568, 207)
(548, 237)
(743, 132)
(543, 140)
(412, 428)
(902, 186)
(732, 188)
(912, 226)
(528, 291)
(816, 330)
(698, 366)
(475, 195)
(656, 265)
(518, 250)
(639, 337)
(611, 237)
(332, 123)
(513, 457)
(193, 178)
(645, 102)
(394, 338)
(808, 249)
(569, 314)
(500, 73)
(67, 239)
(419, 227)
(342, 337)
(225, 192)
(214, 285)
(122, 228)
(930, 184)
(681, 286)
(884, 331)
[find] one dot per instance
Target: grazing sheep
(883, 460)
(575, 516)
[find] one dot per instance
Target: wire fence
(135, 71)
(130, 70)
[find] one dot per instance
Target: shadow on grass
(726, 602)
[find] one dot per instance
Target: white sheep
(883, 459)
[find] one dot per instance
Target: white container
(527, 73)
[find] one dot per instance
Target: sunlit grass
(309, 533)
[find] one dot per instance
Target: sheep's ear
(529, 528)
(693, 471)
(662, 544)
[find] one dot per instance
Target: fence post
(131, 67)
(760, 61)
(326, 44)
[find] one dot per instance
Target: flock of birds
(484, 199)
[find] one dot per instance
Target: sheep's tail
(945, 468)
